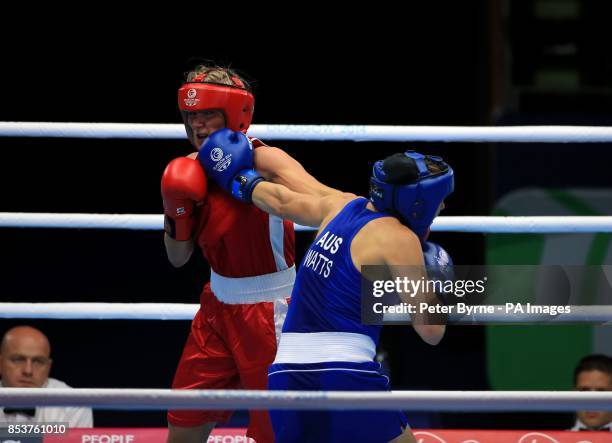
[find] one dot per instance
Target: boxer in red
(234, 335)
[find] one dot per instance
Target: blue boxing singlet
(324, 346)
(327, 292)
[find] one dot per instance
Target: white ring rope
(480, 224)
(186, 311)
(100, 311)
(520, 134)
(81, 221)
(155, 399)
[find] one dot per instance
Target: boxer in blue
(324, 345)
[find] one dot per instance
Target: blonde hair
(216, 74)
(432, 166)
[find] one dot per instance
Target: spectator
(25, 362)
(593, 373)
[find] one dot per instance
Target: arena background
(436, 63)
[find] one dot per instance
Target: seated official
(25, 362)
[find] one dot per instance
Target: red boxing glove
(182, 185)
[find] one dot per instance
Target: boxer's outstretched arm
(277, 166)
(305, 209)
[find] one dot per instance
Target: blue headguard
(403, 186)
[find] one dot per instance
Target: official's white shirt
(74, 417)
(579, 426)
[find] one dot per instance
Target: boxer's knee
(191, 434)
(405, 437)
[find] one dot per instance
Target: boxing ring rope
(100, 311)
(186, 311)
(480, 224)
(156, 399)
(363, 133)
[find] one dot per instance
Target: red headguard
(236, 101)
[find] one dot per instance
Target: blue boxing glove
(440, 270)
(227, 157)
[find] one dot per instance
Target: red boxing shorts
(230, 346)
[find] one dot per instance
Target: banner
(158, 435)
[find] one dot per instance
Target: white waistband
(245, 290)
(319, 347)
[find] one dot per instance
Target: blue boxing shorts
(333, 425)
